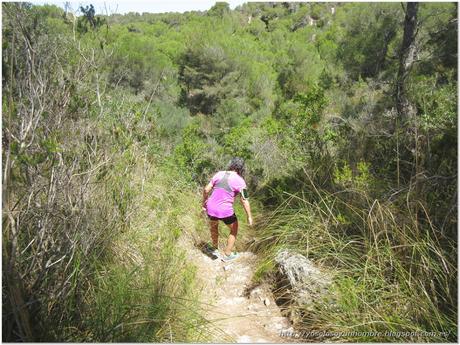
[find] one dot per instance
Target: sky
(153, 6)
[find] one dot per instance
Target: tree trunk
(406, 60)
(406, 111)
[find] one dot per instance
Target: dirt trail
(242, 315)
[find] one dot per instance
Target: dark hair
(237, 164)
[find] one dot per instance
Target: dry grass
(392, 273)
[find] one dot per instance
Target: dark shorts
(227, 220)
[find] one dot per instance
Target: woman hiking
(225, 186)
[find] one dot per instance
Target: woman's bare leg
(214, 224)
(231, 238)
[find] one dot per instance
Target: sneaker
(212, 251)
(230, 257)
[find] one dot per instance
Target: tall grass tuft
(393, 272)
(145, 289)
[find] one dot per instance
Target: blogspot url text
(399, 334)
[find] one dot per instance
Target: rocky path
(241, 314)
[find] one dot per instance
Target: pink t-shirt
(226, 185)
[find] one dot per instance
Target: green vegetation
(346, 115)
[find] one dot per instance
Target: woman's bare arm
(247, 209)
(206, 192)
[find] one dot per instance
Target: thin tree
(404, 108)
(406, 60)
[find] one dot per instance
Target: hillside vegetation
(346, 116)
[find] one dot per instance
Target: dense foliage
(346, 115)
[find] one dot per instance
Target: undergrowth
(391, 272)
(145, 289)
